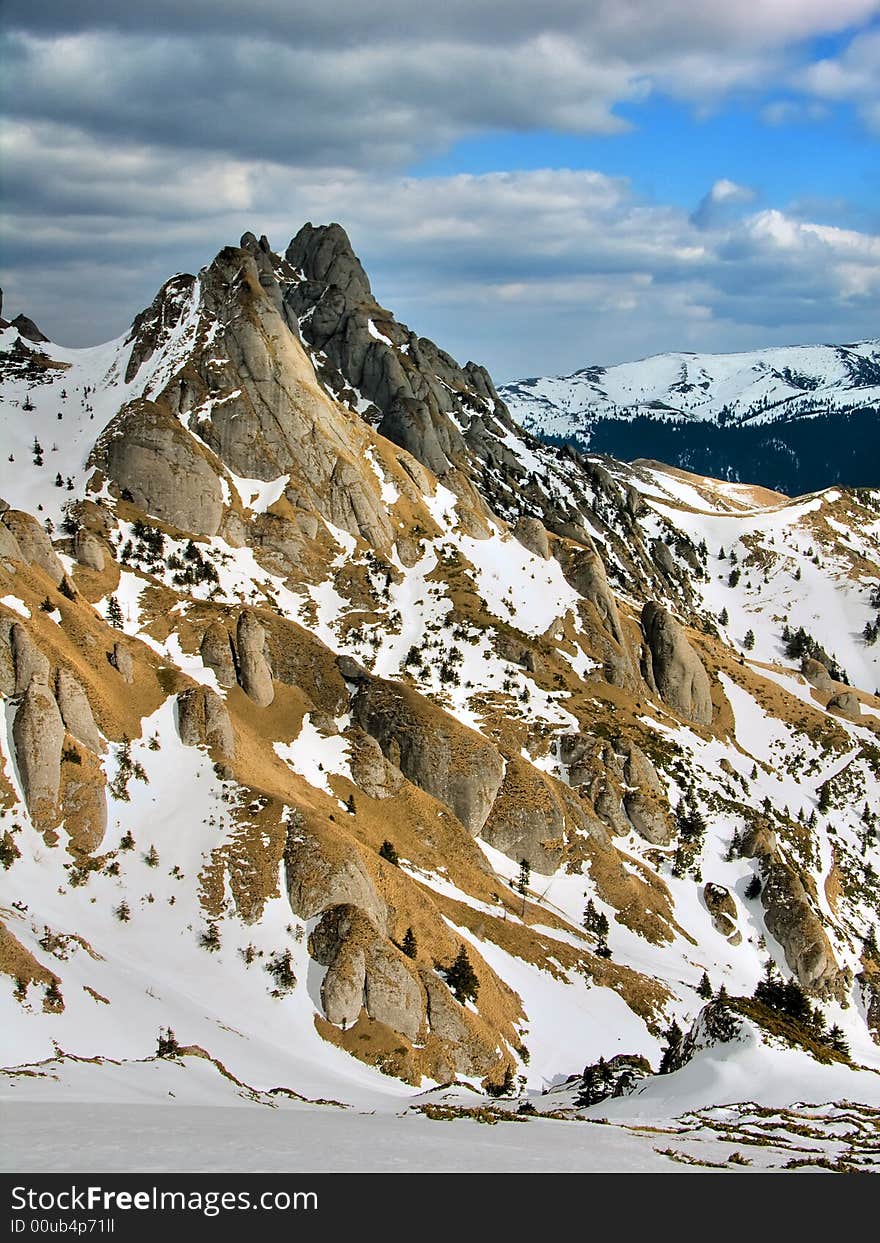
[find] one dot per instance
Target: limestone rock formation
(31, 665)
(722, 907)
(527, 818)
(677, 670)
(328, 871)
(155, 461)
(217, 654)
(436, 752)
(121, 660)
(89, 550)
(38, 735)
(816, 674)
(846, 704)
(364, 969)
(532, 535)
(370, 771)
(33, 543)
(254, 673)
(76, 711)
(203, 721)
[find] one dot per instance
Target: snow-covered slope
(296, 671)
(702, 411)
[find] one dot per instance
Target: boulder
(203, 721)
(84, 804)
(76, 712)
(791, 919)
(816, 674)
(89, 550)
(722, 907)
(38, 736)
(217, 654)
(532, 535)
(254, 674)
(678, 672)
(121, 660)
(645, 799)
(9, 549)
(846, 704)
(434, 751)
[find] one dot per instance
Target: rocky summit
(360, 747)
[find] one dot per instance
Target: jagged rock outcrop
(254, 673)
(28, 329)
(203, 721)
(154, 461)
(7, 662)
(217, 654)
(432, 750)
(33, 543)
(76, 711)
(846, 704)
(38, 735)
(532, 534)
(9, 549)
(676, 669)
(31, 665)
(527, 820)
(89, 550)
(365, 970)
(621, 783)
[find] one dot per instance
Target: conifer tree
(704, 988)
(462, 979)
(409, 944)
(387, 851)
(669, 1060)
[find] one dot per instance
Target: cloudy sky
(538, 186)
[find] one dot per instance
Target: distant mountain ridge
(793, 418)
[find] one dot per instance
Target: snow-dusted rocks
(845, 703)
(675, 667)
(532, 535)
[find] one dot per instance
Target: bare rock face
(526, 818)
(33, 543)
(38, 735)
(759, 843)
(84, 803)
(76, 712)
(678, 672)
(622, 784)
(89, 550)
(7, 663)
(329, 872)
(434, 751)
(217, 654)
(846, 704)
(370, 771)
(30, 663)
(816, 674)
(363, 969)
(531, 534)
(152, 458)
(254, 674)
(120, 659)
(9, 549)
(203, 721)
(584, 570)
(471, 1052)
